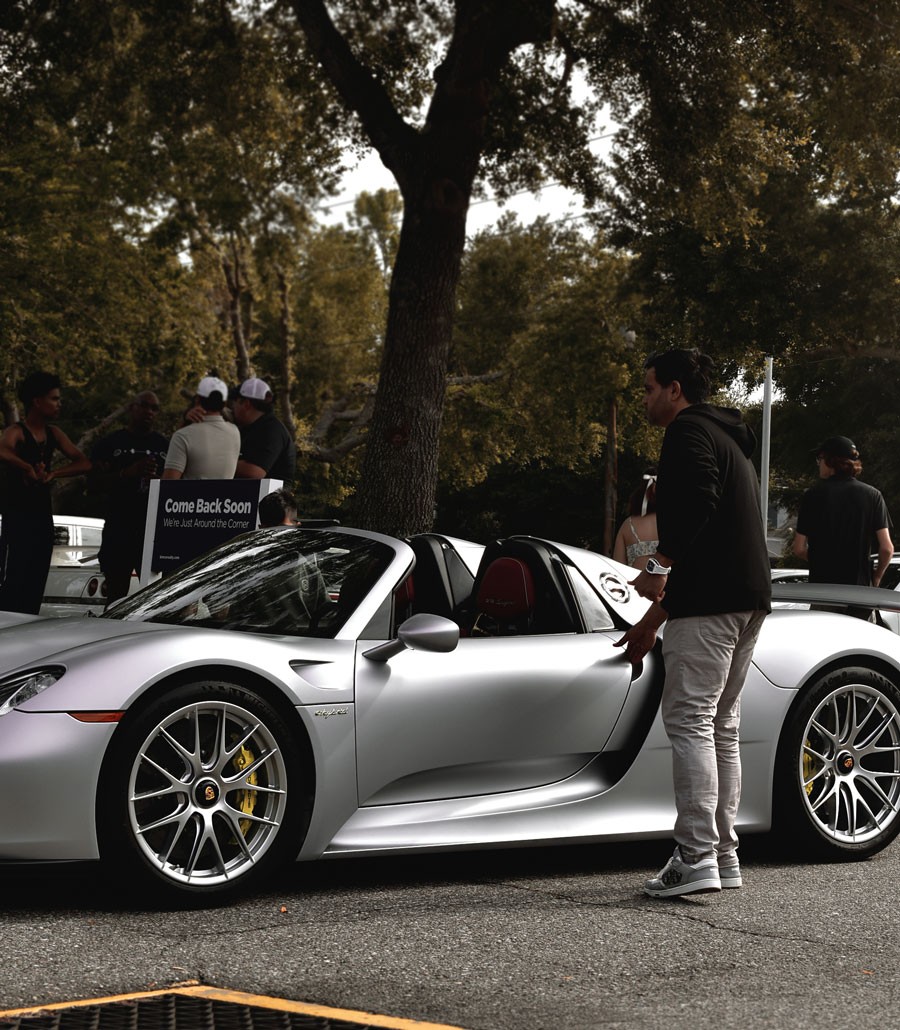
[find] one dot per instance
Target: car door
(497, 714)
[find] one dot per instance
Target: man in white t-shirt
(207, 449)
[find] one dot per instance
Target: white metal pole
(766, 445)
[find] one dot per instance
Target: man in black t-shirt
(267, 449)
(124, 463)
(841, 521)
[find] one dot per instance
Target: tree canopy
(163, 162)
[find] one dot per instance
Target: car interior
(519, 588)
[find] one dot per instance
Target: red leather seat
(404, 599)
(505, 601)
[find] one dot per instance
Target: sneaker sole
(730, 875)
(708, 886)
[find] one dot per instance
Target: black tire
(837, 775)
(202, 794)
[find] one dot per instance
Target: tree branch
(391, 136)
(87, 438)
(487, 377)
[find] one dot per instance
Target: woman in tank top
(637, 538)
(26, 457)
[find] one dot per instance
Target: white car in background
(75, 584)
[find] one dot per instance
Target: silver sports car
(308, 693)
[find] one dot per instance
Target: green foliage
(755, 177)
(161, 161)
(81, 295)
(822, 397)
(539, 352)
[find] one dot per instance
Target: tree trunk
(398, 477)
(435, 168)
(234, 274)
(285, 330)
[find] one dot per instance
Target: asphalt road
(504, 940)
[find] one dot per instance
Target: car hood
(26, 639)
(110, 662)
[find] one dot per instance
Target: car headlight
(20, 688)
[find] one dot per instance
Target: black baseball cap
(837, 447)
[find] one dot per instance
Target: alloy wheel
(849, 764)
(207, 793)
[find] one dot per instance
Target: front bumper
(49, 771)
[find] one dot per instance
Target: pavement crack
(691, 912)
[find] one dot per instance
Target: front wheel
(203, 792)
(838, 770)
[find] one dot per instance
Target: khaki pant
(707, 658)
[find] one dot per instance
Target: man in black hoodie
(710, 578)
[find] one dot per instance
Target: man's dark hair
(691, 368)
(215, 402)
(274, 507)
(844, 468)
(36, 385)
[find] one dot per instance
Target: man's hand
(638, 640)
(651, 587)
(197, 413)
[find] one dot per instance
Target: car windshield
(284, 581)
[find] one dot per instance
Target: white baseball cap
(209, 385)
(255, 390)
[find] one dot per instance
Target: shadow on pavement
(88, 887)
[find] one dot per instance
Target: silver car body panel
(502, 741)
(49, 767)
(585, 806)
(493, 715)
(792, 645)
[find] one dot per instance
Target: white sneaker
(730, 875)
(680, 877)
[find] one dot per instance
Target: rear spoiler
(837, 594)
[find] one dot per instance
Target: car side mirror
(421, 632)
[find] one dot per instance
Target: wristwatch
(655, 569)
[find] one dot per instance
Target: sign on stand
(187, 517)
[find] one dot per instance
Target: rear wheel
(838, 771)
(203, 793)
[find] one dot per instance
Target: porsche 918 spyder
(304, 693)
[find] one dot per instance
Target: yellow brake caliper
(246, 798)
(809, 768)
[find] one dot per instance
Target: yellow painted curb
(57, 1005)
(240, 998)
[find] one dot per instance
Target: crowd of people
(253, 444)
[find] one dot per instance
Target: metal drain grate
(199, 1008)
(174, 1012)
